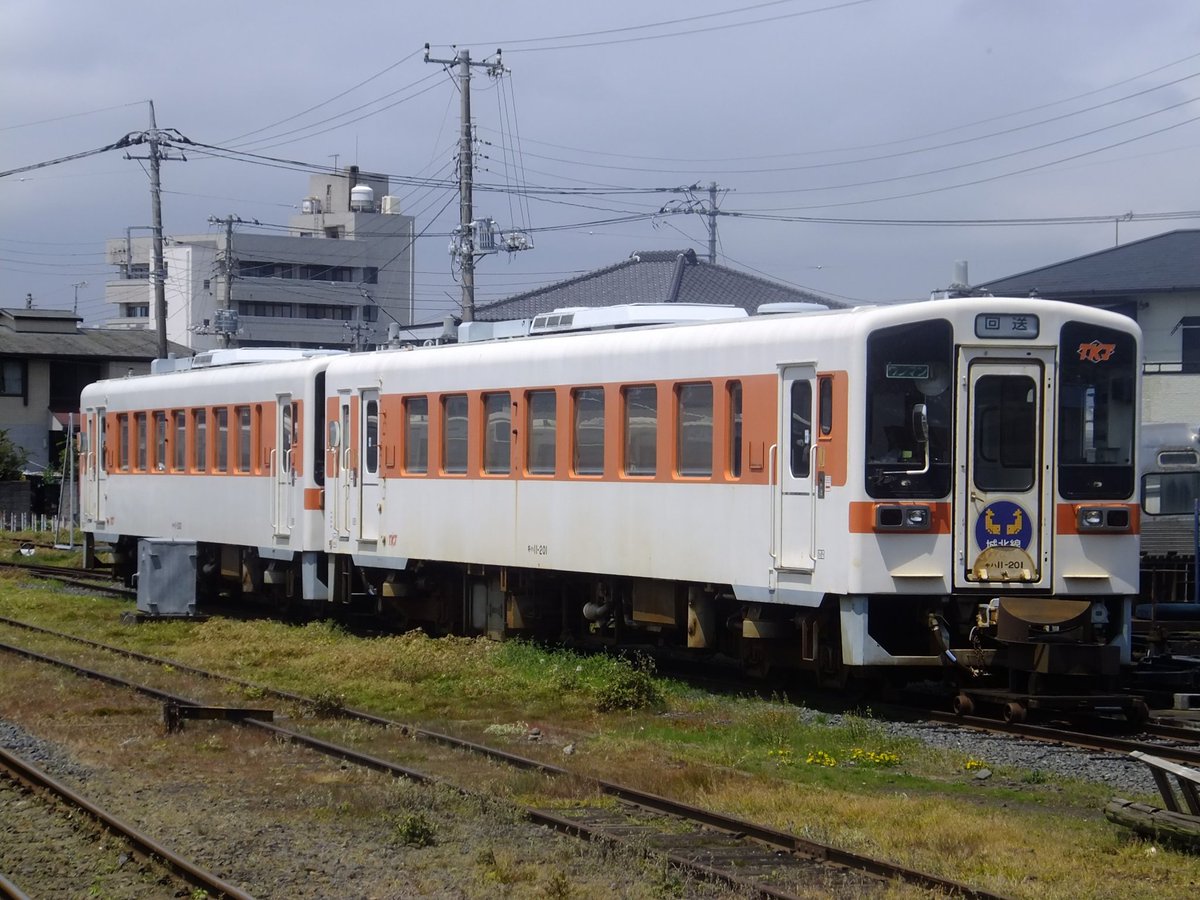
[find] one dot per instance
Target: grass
(1020, 833)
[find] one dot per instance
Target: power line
(127, 141)
(317, 106)
(670, 34)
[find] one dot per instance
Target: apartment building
(336, 275)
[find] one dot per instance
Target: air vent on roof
(778, 309)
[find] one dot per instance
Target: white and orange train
(947, 484)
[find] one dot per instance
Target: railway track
(742, 855)
(76, 577)
(31, 778)
(1184, 749)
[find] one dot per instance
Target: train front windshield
(1097, 413)
(909, 380)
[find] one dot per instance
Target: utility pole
(225, 319)
(157, 273)
(77, 285)
(712, 222)
(465, 248)
(154, 137)
(694, 204)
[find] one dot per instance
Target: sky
(860, 147)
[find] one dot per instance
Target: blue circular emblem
(1003, 524)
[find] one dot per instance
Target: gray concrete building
(336, 276)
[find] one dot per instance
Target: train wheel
(1014, 713)
(963, 705)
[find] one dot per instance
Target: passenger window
(588, 450)
(497, 441)
(160, 442)
(416, 435)
(200, 439)
(179, 449)
(123, 442)
(454, 434)
(221, 418)
(243, 448)
(825, 405)
(140, 426)
(641, 429)
(541, 433)
(801, 430)
(735, 429)
(371, 437)
(695, 430)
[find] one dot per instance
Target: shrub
(416, 830)
(629, 685)
(12, 458)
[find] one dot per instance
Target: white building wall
(195, 285)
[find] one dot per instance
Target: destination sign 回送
(1006, 325)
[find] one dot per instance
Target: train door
(370, 495)
(93, 467)
(343, 467)
(283, 465)
(1003, 498)
(796, 493)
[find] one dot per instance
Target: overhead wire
(671, 34)
(316, 106)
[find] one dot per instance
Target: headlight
(1102, 518)
(902, 517)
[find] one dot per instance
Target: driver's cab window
(910, 413)
(801, 436)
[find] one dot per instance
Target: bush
(12, 459)
(630, 685)
(416, 830)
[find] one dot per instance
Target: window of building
(327, 311)
(221, 441)
(370, 275)
(641, 429)
(160, 441)
(540, 445)
(588, 448)
(244, 437)
(416, 435)
(267, 310)
(12, 377)
(370, 313)
(497, 436)
(734, 392)
(179, 441)
(695, 430)
(139, 427)
(1189, 337)
(454, 434)
(199, 440)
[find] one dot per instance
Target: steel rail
(11, 891)
(772, 837)
(65, 575)
(181, 866)
(1189, 755)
